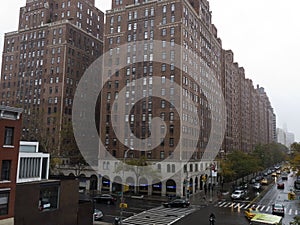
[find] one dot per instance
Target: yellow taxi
(250, 213)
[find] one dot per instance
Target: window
(173, 7)
(49, 197)
(164, 9)
(172, 30)
(163, 104)
(5, 170)
(4, 200)
(171, 142)
(171, 129)
(171, 116)
(9, 136)
(162, 154)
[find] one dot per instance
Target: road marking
(262, 208)
(228, 204)
(247, 206)
(257, 208)
(222, 204)
(296, 212)
(290, 212)
(268, 208)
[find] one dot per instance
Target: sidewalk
(101, 223)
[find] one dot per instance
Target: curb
(101, 223)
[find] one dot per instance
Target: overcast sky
(264, 36)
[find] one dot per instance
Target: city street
(227, 212)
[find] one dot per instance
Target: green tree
(295, 157)
(140, 167)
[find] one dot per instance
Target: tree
(70, 150)
(140, 167)
(36, 130)
(295, 157)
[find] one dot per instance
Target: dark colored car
(256, 186)
(252, 181)
(284, 176)
(177, 203)
(258, 178)
(280, 185)
(105, 198)
(278, 209)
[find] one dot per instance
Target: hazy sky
(264, 36)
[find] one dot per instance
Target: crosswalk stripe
(247, 206)
(261, 208)
(222, 204)
(159, 216)
(227, 204)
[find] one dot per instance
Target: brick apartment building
(10, 133)
(57, 40)
(44, 60)
(137, 25)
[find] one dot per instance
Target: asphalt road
(227, 212)
(224, 216)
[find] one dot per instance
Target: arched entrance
(82, 182)
(201, 182)
(105, 184)
(130, 183)
(196, 184)
(156, 187)
(117, 184)
(143, 186)
(71, 175)
(93, 182)
(170, 188)
(191, 186)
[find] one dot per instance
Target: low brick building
(10, 131)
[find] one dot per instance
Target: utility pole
(122, 205)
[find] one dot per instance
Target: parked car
(252, 181)
(278, 209)
(98, 214)
(264, 181)
(105, 198)
(280, 185)
(258, 178)
(177, 203)
(256, 186)
(238, 194)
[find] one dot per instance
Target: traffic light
(126, 188)
(123, 205)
